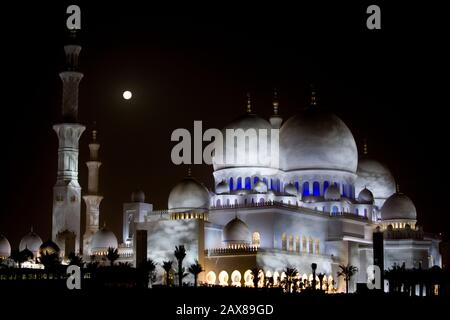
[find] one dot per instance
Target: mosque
(321, 205)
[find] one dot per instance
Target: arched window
(265, 181)
(291, 243)
(236, 278)
(357, 211)
(283, 242)
(239, 183)
(218, 203)
(211, 278)
(272, 184)
(344, 190)
(365, 212)
(304, 245)
(335, 211)
(317, 247)
(326, 184)
(223, 278)
(255, 180)
(248, 183)
(316, 188)
(306, 188)
(231, 184)
(297, 185)
(256, 239)
(261, 201)
(297, 244)
(310, 245)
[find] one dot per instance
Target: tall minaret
(67, 190)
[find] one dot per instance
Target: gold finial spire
(313, 96)
(365, 151)
(94, 135)
(275, 102)
(398, 188)
(189, 172)
(249, 103)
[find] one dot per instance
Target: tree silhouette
(314, 267)
(167, 266)
(148, 267)
(21, 256)
(347, 272)
(76, 260)
(195, 269)
(321, 276)
(291, 275)
(50, 260)
(180, 254)
(112, 255)
(255, 274)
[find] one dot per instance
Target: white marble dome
(365, 196)
(248, 121)
(377, 178)
(236, 232)
(188, 194)
(260, 187)
(30, 241)
(316, 139)
(222, 187)
(332, 193)
(398, 207)
(5, 247)
(103, 239)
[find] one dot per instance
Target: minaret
(92, 200)
(67, 190)
(275, 119)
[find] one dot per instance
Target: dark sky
(186, 64)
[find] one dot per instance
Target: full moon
(127, 95)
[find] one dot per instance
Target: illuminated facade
(320, 205)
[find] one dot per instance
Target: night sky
(186, 64)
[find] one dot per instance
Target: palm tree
(347, 272)
(112, 255)
(255, 273)
(321, 276)
(49, 260)
(148, 267)
(76, 260)
(291, 274)
(180, 254)
(195, 269)
(167, 266)
(21, 256)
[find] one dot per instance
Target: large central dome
(316, 139)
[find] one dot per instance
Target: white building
(320, 205)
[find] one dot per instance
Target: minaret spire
(67, 191)
(365, 150)
(249, 103)
(275, 119)
(313, 101)
(92, 199)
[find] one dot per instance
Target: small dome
(310, 199)
(398, 207)
(365, 196)
(236, 232)
(332, 193)
(30, 241)
(49, 247)
(290, 189)
(5, 247)
(260, 187)
(103, 239)
(223, 187)
(188, 194)
(138, 196)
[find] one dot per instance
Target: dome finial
(398, 188)
(365, 151)
(313, 95)
(189, 172)
(249, 103)
(275, 102)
